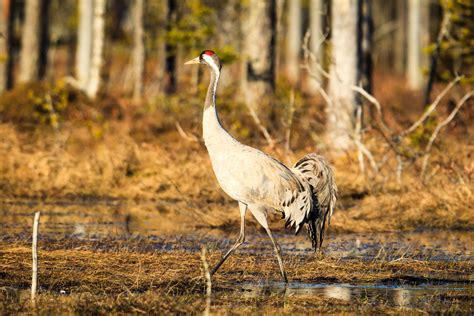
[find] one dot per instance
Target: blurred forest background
(96, 103)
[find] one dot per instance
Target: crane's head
(209, 58)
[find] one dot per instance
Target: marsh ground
(100, 258)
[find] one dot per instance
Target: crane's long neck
(212, 128)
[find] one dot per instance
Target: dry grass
(73, 164)
(127, 281)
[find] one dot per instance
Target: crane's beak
(193, 61)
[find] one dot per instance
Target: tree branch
(432, 107)
(438, 128)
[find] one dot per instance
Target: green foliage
(195, 29)
(227, 54)
(35, 103)
(194, 26)
(48, 104)
(457, 48)
(422, 134)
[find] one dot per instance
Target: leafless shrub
(404, 153)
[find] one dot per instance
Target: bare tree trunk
(343, 74)
(98, 33)
(44, 39)
(418, 37)
(4, 12)
(171, 50)
(160, 35)
(12, 16)
(293, 41)
(316, 42)
(280, 4)
(243, 18)
(400, 37)
(30, 42)
(84, 43)
(444, 28)
(365, 31)
(138, 50)
(260, 51)
(226, 37)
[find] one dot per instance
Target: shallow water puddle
(374, 294)
(169, 231)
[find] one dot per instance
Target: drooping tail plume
(316, 170)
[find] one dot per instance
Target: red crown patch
(209, 52)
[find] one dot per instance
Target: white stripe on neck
(210, 61)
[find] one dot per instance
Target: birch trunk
(418, 38)
(98, 31)
(343, 74)
(84, 43)
(30, 42)
(293, 41)
(260, 51)
(316, 42)
(138, 51)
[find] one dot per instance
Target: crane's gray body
(252, 177)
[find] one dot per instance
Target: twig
(34, 250)
(432, 107)
(184, 135)
(439, 127)
(403, 153)
(399, 169)
(260, 126)
(207, 275)
(73, 82)
(310, 56)
(291, 111)
(375, 103)
(307, 56)
(358, 139)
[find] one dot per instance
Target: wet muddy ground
(107, 257)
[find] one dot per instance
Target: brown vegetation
(136, 281)
(138, 155)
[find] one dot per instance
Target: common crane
(303, 194)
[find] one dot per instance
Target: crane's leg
(240, 240)
(261, 216)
